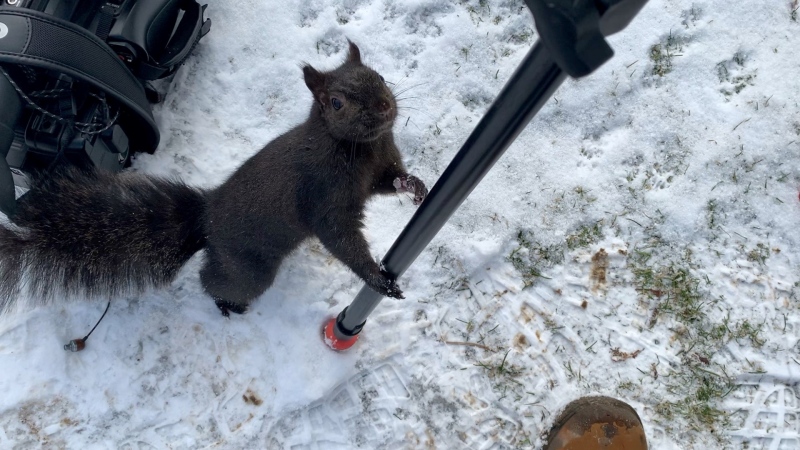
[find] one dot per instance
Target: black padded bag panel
(40, 40)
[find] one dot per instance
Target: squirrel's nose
(384, 107)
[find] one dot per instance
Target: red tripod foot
(329, 334)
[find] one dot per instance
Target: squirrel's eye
(382, 79)
(336, 103)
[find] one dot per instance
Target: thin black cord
(98, 321)
(77, 345)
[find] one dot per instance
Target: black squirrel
(91, 233)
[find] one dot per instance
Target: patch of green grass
(465, 52)
(521, 37)
(662, 54)
(662, 60)
(680, 299)
(470, 326)
(584, 195)
(571, 372)
(759, 254)
(550, 324)
(477, 11)
(698, 404)
(577, 199)
(504, 374)
(672, 285)
(719, 334)
(530, 257)
(712, 214)
(502, 369)
(746, 330)
(585, 235)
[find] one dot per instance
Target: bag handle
(191, 28)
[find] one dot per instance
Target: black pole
(511, 111)
(572, 42)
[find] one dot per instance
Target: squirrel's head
(353, 100)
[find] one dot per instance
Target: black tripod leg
(572, 42)
(523, 96)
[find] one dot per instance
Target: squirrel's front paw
(412, 184)
(385, 285)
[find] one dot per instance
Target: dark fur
(99, 234)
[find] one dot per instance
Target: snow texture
(670, 175)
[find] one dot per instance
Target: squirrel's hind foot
(227, 307)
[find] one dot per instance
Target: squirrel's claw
(411, 184)
(385, 285)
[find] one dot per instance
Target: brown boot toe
(597, 423)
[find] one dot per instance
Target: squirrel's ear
(315, 81)
(353, 54)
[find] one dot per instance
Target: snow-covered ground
(641, 239)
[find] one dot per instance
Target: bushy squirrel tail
(93, 234)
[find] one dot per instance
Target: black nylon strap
(42, 41)
(8, 203)
(105, 19)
